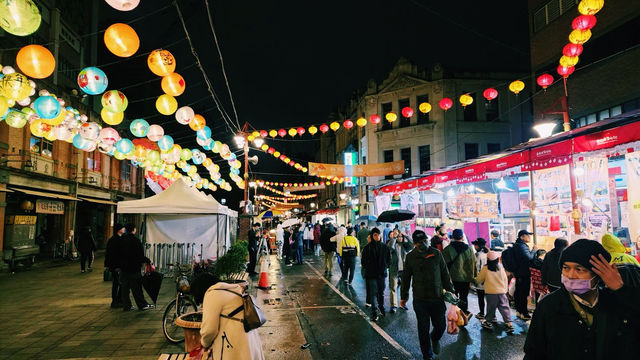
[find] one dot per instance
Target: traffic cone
(263, 282)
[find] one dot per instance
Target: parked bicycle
(182, 304)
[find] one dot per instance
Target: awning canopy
(45, 194)
(98, 201)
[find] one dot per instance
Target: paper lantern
(334, 126)
(590, 7)
(579, 36)
(313, 130)
(545, 80)
(407, 112)
(121, 40)
(264, 133)
(572, 50)
(161, 62)
(111, 118)
(424, 107)
(47, 107)
(16, 119)
(584, 22)
(173, 84)
(166, 104)
(264, 147)
(15, 86)
(198, 122)
(271, 150)
(184, 115)
(19, 17)
(565, 71)
(64, 133)
(324, 128)
(204, 133)
(165, 143)
(300, 130)
(185, 155)
(568, 61)
(466, 100)
(92, 81)
(4, 106)
(291, 163)
(273, 133)
(391, 116)
(80, 142)
(36, 61)
(89, 131)
(153, 156)
(490, 93)
(282, 132)
(197, 157)
(114, 101)
(445, 104)
(375, 119)
(361, 122)
(292, 132)
(38, 128)
(155, 133)
(516, 86)
(348, 124)
(108, 136)
(123, 5)
(139, 128)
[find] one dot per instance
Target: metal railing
(166, 256)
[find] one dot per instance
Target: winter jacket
(337, 238)
(362, 237)
(325, 239)
(385, 234)
(551, 272)
(279, 233)
(558, 332)
(617, 250)
(298, 238)
(375, 260)
(496, 244)
(463, 268)
(111, 255)
(307, 233)
(227, 337)
(131, 253)
(398, 251)
(316, 234)
(252, 244)
(481, 260)
(349, 245)
(523, 257)
(86, 243)
(428, 270)
(495, 282)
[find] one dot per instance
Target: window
(492, 109)
(470, 111)
(41, 146)
(493, 148)
(551, 11)
(405, 154)
(424, 153)
(591, 118)
(616, 110)
(93, 161)
(404, 122)
(125, 170)
(422, 118)
(604, 114)
(387, 155)
(470, 151)
(386, 108)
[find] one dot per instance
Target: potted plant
(190, 324)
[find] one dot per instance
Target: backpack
(509, 260)
(253, 316)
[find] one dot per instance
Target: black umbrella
(151, 283)
(391, 216)
(327, 219)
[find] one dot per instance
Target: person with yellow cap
(614, 246)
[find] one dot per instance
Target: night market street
(59, 313)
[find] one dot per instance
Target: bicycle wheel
(171, 331)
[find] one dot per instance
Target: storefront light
(579, 171)
(239, 140)
(501, 184)
(544, 129)
(312, 205)
(471, 188)
(343, 196)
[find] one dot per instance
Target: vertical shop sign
(633, 194)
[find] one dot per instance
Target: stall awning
(6, 190)
(98, 201)
(46, 194)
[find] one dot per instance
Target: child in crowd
(495, 282)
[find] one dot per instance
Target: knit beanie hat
(580, 252)
(493, 255)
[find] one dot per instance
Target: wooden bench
(179, 356)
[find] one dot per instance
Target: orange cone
(263, 282)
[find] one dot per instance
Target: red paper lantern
(446, 104)
(407, 112)
(263, 133)
(584, 22)
(282, 157)
(348, 124)
(324, 128)
(572, 50)
(271, 150)
(545, 80)
(565, 71)
(291, 163)
(282, 132)
(375, 119)
(301, 130)
(490, 94)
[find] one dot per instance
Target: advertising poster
(473, 206)
(592, 182)
(552, 197)
(633, 195)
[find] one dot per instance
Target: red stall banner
(506, 162)
(607, 138)
(551, 155)
(471, 173)
(426, 182)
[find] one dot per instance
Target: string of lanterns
(306, 184)
(275, 199)
(287, 195)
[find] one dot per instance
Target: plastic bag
(512, 287)
(462, 318)
(452, 320)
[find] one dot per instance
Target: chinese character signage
(49, 207)
(383, 169)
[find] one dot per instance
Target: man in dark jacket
(375, 261)
(86, 246)
(426, 267)
(363, 235)
(551, 272)
(461, 261)
(439, 237)
(593, 316)
(496, 244)
(286, 246)
(328, 247)
(252, 246)
(522, 256)
(132, 257)
(112, 262)
(298, 236)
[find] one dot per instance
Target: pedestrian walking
(337, 239)
(398, 248)
(495, 242)
(494, 279)
(316, 239)
(112, 263)
(298, 235)
(535, 268)
(279, 240)
(481, 260)
(426, 267)
(461, 262)
(86, 246)
(349, 249)
(617, 251)
(252, 247)
(594, 315)
(307, 234)
(522, 257)
(439, 240)
(132, 257)
(551, 273)
(375, 261)
(363, 235)
(386, 232)
(328, 247)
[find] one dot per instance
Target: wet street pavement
(55, 312)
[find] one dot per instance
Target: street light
(253, 184)
(544, 129)
(343, 196)
(258, 141)
(312, 205)
(239, 140)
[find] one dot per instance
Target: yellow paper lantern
(36, 61)
(50, 136)
(466, 100)
(15, 87)
(391, 117)
(198, 122)
(568, 61)
(121, 40)
(516, 86)
(173, 84)
(19, 17)
(361, 122)
(292, 132)
(207, 162)
(161, 62)
(167, 105)
(38, 128)
(140, 152)
(313, 130)
(334, 126)
(111, 118)
(264, 147)
(590, 7)
(276, 154)
(56, 120)
(4, 105)
(255, 134)
(424, 107)
(273, 133)
(580, 37)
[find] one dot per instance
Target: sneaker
(375, 318)
(393, 310)
(495, 320)
(82, 271)
(487, 325)
(147, 307)
(510, 328)
(367, 305)
(525, 317)
(435, 346)
(480, 316)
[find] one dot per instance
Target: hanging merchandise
(36, 61)
(121, 40)
(19, 17)
(92, 81)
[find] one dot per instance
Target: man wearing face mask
(594, 315)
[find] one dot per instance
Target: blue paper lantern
(139, 127)
(197, 157)
(204, 133)
(124, 146)
(80, 142)
(47, 107)
(92, 81)
(165, 143)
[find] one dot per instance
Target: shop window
(422, 118)
(387, 155)
(581, 122)
(492, 109)
(125, 170)
(402, 103)
(493, 148)
(93, 161)
(386, 108)
(470, 111)
(424, 152)
(40, 146)
(591, 118)
(405, 154)
(470, 151)
(604, 114)
(616, 110)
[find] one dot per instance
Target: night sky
(293, 63)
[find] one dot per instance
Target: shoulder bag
(253, 317)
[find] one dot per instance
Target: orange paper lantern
(36, 61)
(173, 84)
(197, 123)
(121, 40)
(161, 62)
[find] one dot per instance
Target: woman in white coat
(279, 239)
(225, 337)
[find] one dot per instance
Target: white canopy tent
(183, 215)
